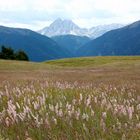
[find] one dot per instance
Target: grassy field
(94, 61)
(80, 98)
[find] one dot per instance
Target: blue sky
(36, 14)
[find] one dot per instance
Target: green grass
(88, 69)
(70, 63)
(22, 65)
(94, 61)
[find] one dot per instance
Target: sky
(37, 14)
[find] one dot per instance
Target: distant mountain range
(123, 41)
(38, 47)
(68, 27)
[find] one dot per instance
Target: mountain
(98, 31)
(66, 27)
(62, 27)
(38, 47)
(71, 42)
(123, 41)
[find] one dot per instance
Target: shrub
(21, 55)
(8, 53)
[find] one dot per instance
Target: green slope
(95, 61)
(71, 63)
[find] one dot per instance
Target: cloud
(84, 12)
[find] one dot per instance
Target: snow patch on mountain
(65, 27)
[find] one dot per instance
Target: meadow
(95, 98)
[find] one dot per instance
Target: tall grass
(64, 111)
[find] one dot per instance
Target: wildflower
(130, 112)
(138, 125)
(46, 122)
(123, 137)
(51, 107)
(95, 100)
(85, 117)
(28, 139)
(88, 101)
(68, 106)
(102, 124)
(70, 113)
(104, 115)
(137, 117)
(126, 125)
(74, 101)
(18, 105)
(92, 113)
(85, 128)
(36, 105)
(81, 97)
(54, 120)
(60, 113)
(138, 107)
(7, 121)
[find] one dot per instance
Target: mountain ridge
(38, 47)
(123, 41)
(68, 27)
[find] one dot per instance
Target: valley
(39, 47)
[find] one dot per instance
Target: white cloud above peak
(87, 13)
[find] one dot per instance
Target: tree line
(10, 54)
